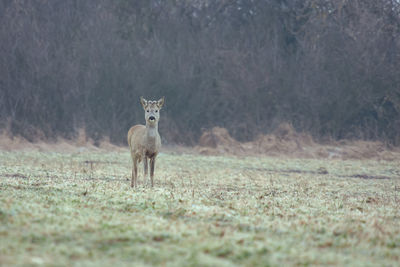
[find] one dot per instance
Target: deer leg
(133, 160)
(133, 177)
(152, 163)
(145, 165)
(134, 174)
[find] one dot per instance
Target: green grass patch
(78, 209)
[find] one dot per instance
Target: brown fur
(145, 141)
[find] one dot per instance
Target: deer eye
(148, 111)
(156, 111)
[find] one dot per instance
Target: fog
(329, 68)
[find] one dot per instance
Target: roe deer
(144, 141)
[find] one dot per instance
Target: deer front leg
(152, 163)
(145, 167)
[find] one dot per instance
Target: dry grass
(77, 208)
(285, 141)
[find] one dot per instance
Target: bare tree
(331, 68)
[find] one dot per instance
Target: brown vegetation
(79, 144)
(285, 141)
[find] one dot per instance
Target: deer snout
(152, 118)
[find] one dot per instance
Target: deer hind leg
(133, 163)
(134, 173)
(152, 164)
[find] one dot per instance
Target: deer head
(152, 110)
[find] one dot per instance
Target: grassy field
(78, 209)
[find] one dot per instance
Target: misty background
(330, 68)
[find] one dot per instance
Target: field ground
(78, 209)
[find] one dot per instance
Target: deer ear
(160, 102)
(143, 102)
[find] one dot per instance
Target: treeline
(328, 67)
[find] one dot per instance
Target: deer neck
(151, 135)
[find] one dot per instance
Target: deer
(144, 140)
